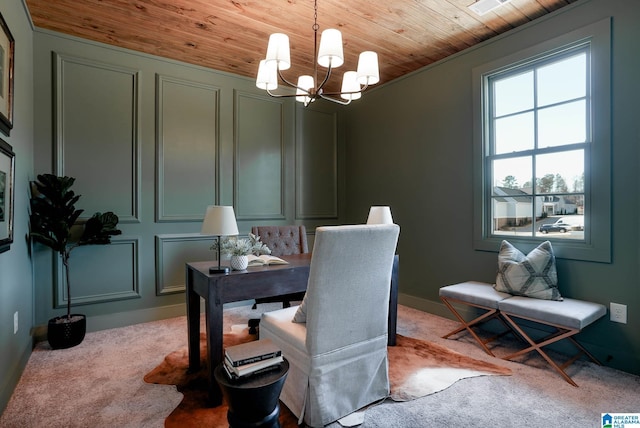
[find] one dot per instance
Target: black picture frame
(7, 50)
(7, 194)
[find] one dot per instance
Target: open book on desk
(265, 260)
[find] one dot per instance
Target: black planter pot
(63, 333)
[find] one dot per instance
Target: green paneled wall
(410, 146)
(16, 291)
(187, 135)
(156, 141)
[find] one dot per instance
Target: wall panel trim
(59, 61)
(161, 215)
(60, 298)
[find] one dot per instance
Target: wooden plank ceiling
(232, 35)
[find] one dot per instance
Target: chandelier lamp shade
(329, 54)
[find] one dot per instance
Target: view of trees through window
(538, 129)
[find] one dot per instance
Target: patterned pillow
(533, 275)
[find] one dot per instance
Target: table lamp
(379, 215)
(219, 221)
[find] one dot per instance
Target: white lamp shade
(219, 220)
(305, 84)
(379, 215)
(368, 73)
(278, 51)
(267, 75)
(330, 51)
(350, 84)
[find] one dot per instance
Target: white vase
(239, 262)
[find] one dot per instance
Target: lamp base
(223, 269)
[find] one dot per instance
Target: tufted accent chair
(283, 241)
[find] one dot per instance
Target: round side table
(254, 401)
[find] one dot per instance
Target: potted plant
(239, 249)
(53, 223)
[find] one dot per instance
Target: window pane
(558, 223)
(563, 80)
(513, 94)
(563, 124)
(512, 173)
(512, 215)
(560, 172)
(514, 133)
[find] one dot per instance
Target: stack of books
(251, 358)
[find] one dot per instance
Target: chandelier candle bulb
(330, 53)
(305, 84)
(267, 75)
(278, 51)
(368, 73)
(350, 86)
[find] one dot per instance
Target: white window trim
(597, 243)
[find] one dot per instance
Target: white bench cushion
(473, 292)
(568, 313)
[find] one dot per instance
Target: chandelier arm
(287, 82)
(271, 94)
(326, 78)
(347, 93)
(335, 100)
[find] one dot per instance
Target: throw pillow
(301, 314)
(533, 275)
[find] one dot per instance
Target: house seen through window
(538, 131)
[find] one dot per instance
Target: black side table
(253, 402)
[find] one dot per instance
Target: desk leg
(393, 303)
(214, 321)
(193, 324)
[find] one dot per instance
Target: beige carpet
(416, 368)
(99, 384)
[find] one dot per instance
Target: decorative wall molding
(93, 281)
(316, 168)
(187, 148)
(173, 251)
(96, 132)
(259, 157)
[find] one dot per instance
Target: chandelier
(329, 55)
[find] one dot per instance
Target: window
(542, 147)
(538, 135)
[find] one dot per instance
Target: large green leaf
(99, 229)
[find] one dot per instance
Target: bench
(567, 317)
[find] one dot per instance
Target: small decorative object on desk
(239, 262)
(251, 358)
(239, 249)
(265, 260)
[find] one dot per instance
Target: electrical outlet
(618, 312)
(15, 322)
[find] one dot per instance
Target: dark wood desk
(255, 282)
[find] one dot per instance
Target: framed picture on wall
(7, 184)
(6, 77)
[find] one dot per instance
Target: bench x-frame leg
(560, 334)
(488, 315)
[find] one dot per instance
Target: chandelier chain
(315, 16)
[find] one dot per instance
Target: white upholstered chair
(338, 353)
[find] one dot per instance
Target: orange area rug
(416, 368)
